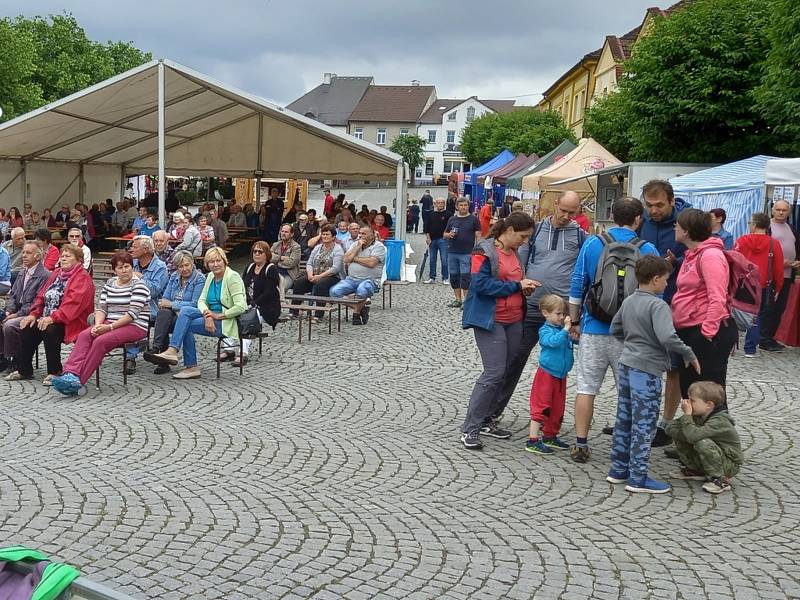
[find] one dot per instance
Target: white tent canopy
(782, 171)
(207, 128)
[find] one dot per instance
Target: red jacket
(755, 248)
(50, 260)
(327, 208)
(76, 305)
(382, 231)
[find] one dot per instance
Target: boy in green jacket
(706, 438)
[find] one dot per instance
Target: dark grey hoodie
(555, 253)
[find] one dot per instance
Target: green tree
(779, 93)
(411, 148)
(46, 59)
(527, 131)
(688, 91)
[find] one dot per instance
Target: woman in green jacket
(222, 300)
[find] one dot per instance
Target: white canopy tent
(166, 119)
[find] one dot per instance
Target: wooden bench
(388, 284)
(309, 308)
(346, 301)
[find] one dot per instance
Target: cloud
(279, 49)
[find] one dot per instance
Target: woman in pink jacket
(701, 305)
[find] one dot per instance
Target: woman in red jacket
(57, 316)
(758, 247)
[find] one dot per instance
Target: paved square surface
(332, 469)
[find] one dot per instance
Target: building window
(404, 131)
(381, 137)
(431, 136)
(577, 106)
(451, 136)
(359, 133)
(452, 116)
(448, 166)
(428, 166)
(470, 114)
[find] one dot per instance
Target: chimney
(326, 78)
(415, 82)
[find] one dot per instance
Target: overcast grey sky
(279, 49)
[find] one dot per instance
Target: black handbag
(249, 323)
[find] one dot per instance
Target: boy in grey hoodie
(644, 323)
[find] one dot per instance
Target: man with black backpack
(604, 276)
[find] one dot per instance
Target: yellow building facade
(571, 94)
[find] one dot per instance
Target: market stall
(514, 180)
(471, 186)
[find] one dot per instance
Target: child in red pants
(549, 390)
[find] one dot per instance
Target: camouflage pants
(637, 417)
(706, 456)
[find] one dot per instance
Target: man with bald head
(549, 259)
(786, 236)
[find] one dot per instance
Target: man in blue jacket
(152, 270)
(658, 228)
(598, 349)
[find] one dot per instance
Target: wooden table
(121, 241)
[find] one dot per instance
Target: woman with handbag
(765, 253)
(261, 284)
(222, 300)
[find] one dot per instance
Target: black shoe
(608, 431)
(772, 346)
(471, 440)
(161, 369)
(3, 364)
(661, 438)
(130, 366)
(226, 357)
(357, 320)
(492, 430)
(365, 315)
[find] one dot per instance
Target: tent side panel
(739, 206)
(12, 195)
(102, 181)
(48, 180)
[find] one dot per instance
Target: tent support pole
(13, 179)
(259, 153)
(80, 182)
(121, 182)
(400, 203)
(24, 182)
(162, 180)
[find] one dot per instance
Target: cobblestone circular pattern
(332, 469)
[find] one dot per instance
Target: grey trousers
(498, 349)
(9, 338)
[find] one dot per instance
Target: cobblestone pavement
(333, 470)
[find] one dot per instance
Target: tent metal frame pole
(162, 180)
(400, 203)
(259, 153)
(12, 180)
(121, 182)
(80, 182)
(24, 182)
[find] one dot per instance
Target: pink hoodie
(703, 301)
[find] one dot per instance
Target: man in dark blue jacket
(658, 228)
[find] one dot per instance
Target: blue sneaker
(538, 447)
(555, 443)
(67, 384)
(617, 477)
(648, 486)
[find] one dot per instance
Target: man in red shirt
(327, 208)
(485, 216)
(760, 249)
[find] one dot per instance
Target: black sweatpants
(711, 354)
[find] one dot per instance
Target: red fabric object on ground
(789, 329)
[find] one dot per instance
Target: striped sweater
(132, 299)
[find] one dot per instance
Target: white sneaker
(753, 355)
(429, 281)
(445, 282)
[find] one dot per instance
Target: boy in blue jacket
(549, 390)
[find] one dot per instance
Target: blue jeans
(190, 322)
(363, 288)
(637, 417)
(459, 265)
(437, 248)
(753, 335)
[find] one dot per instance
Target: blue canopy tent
(471, 187)
(737, 187)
